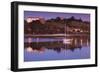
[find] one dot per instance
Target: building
(31, 19)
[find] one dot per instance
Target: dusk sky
(49, 15)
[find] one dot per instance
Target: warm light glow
(29, 49)
(67, 41)
(29, 20)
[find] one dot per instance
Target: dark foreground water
(58, 48)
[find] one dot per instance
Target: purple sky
(49, 15)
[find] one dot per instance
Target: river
(56, 48)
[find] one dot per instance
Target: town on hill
(57, 25)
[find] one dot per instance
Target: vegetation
(57, 26)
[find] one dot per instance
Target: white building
(30, 19)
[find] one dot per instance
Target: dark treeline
(57, 26)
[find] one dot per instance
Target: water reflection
(55, 44)
(38, 49)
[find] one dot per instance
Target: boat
(67, 41)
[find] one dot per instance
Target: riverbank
(55, 35)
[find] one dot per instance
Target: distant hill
(56, 26)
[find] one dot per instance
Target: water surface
(56, 48)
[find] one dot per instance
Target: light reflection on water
(41, 49)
